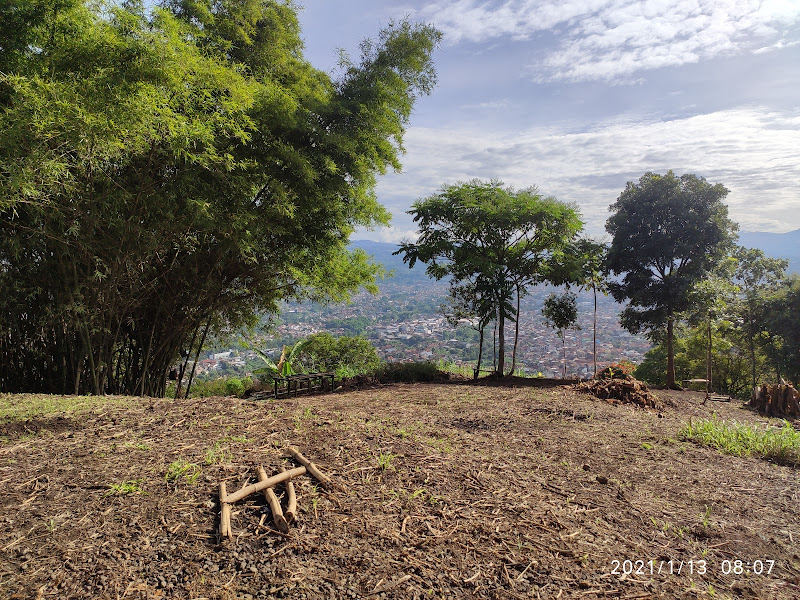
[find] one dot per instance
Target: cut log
(267, 483)
(224, 513)
(274, 505)
(291, 501)
(312, 468)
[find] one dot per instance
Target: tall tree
(561, 313)
(757, 276)
(710, 300)
(498, 238)
(782, 326)
(467, 301)
(668, 233)
(167, 171)
(584, 265)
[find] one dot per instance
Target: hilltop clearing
(451, 490)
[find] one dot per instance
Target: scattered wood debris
(266, 484)
(776, 400)
(623, 389)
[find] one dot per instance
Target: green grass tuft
(22, 407)
(781, 445)
(182, 468)
(125, 488)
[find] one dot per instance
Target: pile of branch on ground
(616, 387)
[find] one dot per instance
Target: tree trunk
(196, 357)
(752, 346)
(670, 352)
(564, 352)
(494, 345)
(594, 331)
(501, 343)
(708, 359)
(480, 352)
(516, 339)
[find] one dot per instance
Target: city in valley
(405, 323)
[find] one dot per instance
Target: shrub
(234, 387)
(347, 356)
(408, 372)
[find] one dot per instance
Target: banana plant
(287, 364)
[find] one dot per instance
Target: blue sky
(577, 97)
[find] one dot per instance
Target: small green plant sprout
(125, 488)
(137, 446)
(402, 432)
(217, 455)
(385, 460)
(181, 468)
(706, 516)
(646, 446)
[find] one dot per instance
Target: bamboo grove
(168, 171)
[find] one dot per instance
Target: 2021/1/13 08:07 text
(689, 567)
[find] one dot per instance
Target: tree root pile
(619, 390)
(776, 400)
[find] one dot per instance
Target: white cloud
(779, 45)
(612, 39)
(751, 150)
(390, 235)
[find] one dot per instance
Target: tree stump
(776, 400)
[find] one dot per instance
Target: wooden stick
(312, 468)
(224, 513)
(291, 502)
(267, 483)
(274, 505)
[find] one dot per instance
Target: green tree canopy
(668, 233)
(492, 237)
(782, 325)
(346, 355)
(561, 313)
(165, 171)
(757, 276)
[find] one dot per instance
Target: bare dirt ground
(450, 491)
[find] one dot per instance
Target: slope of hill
(447, 491)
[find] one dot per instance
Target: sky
(578, 97)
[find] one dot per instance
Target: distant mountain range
(776, 245)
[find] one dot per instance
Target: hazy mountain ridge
(777, 245)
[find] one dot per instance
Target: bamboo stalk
(312, 468)
(274, 505)
(291, 501)
(262, 485)
(225, 513)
